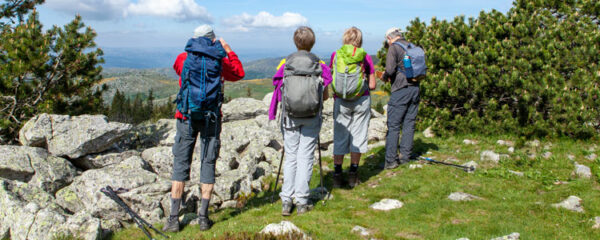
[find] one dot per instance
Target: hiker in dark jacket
(403, 104)
(185, 139)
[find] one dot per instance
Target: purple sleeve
(277, 81)
(331, 61)
(326, 75)
(368, 65)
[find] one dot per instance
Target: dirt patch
(407, 235)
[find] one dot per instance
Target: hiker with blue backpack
(353, 77)
(405, 67)
(300, 88)
(202, 68)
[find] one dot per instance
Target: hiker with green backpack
(300, 88)
(353, 77)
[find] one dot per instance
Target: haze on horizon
(255, 29)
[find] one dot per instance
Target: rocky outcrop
(51, 186)
(72, 137)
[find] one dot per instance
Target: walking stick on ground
(321, 168)
(465, 168)
(278, 173)
(141, 223)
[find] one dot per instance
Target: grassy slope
(512, 203)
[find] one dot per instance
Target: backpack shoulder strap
(402, 45)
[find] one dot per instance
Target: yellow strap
(283, 62)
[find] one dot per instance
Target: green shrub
(532, 71)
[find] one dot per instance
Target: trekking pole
(321, 168)
(278, 173)
(465, 168)
(141, 223)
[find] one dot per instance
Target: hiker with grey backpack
(353, 77)
(405, 67)
(202, 68)
(300, 88)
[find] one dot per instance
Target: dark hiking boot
(338, 180)
(304, 208)
(391, 165)
(353, 180)
(403, 161)
(172, 225)
(204, 223)
(286, 208)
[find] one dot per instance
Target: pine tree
(533, 71)
(44, 71)
(149, 105)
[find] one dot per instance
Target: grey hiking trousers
(300, 140)
(183, 149)
(402, 112)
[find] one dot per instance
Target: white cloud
(247, 22)
(183, 10)
(92, 9)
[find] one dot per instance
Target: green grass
(511, 203)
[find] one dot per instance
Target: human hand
(225, 45)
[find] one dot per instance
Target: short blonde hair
(353, 36)
(304, 38)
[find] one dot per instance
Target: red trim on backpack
(354, 51)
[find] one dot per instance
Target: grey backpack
(302, 85)
(414, 66)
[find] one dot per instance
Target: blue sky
(251, 26)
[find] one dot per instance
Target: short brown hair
(353, 36)
(304, 38)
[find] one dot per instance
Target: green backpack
(348, 82)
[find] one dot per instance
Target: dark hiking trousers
(183, 149)
(401, 112)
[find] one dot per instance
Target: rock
(547, 155)
(462, 239)
(512, 236)
(490, 156)
(582, 171)
(520, 174)
(415, 166)
(505, 143)
(230, 184)
(52, 174)
(328, 107)
(428, 133)
(229, 204)
(34, 222)
(100, 160)
(471, 164)
(361, 231)
(592, 157)
(15, 162)
(596, 221)
(160, 159)
(318, 194)
(84, 226)
(72, 137)
(571, 157)
(462, 197)
(376, 114)
(573, 203)
(386, 205)
(535, 143)
(511, 149)
(11, 204)
(470, 142)
(267, 99)
(284, 228)
(377, 129)
(385, 107)
(243, 109)
(84, 193)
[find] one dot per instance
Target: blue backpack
(201, 92)
(414, 66)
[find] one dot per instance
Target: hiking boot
(403, 161)
(204, 223)
(304, 208)
(391, 165)
(286, 208)
(172, 225)
(338, 180)
(353, 180)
